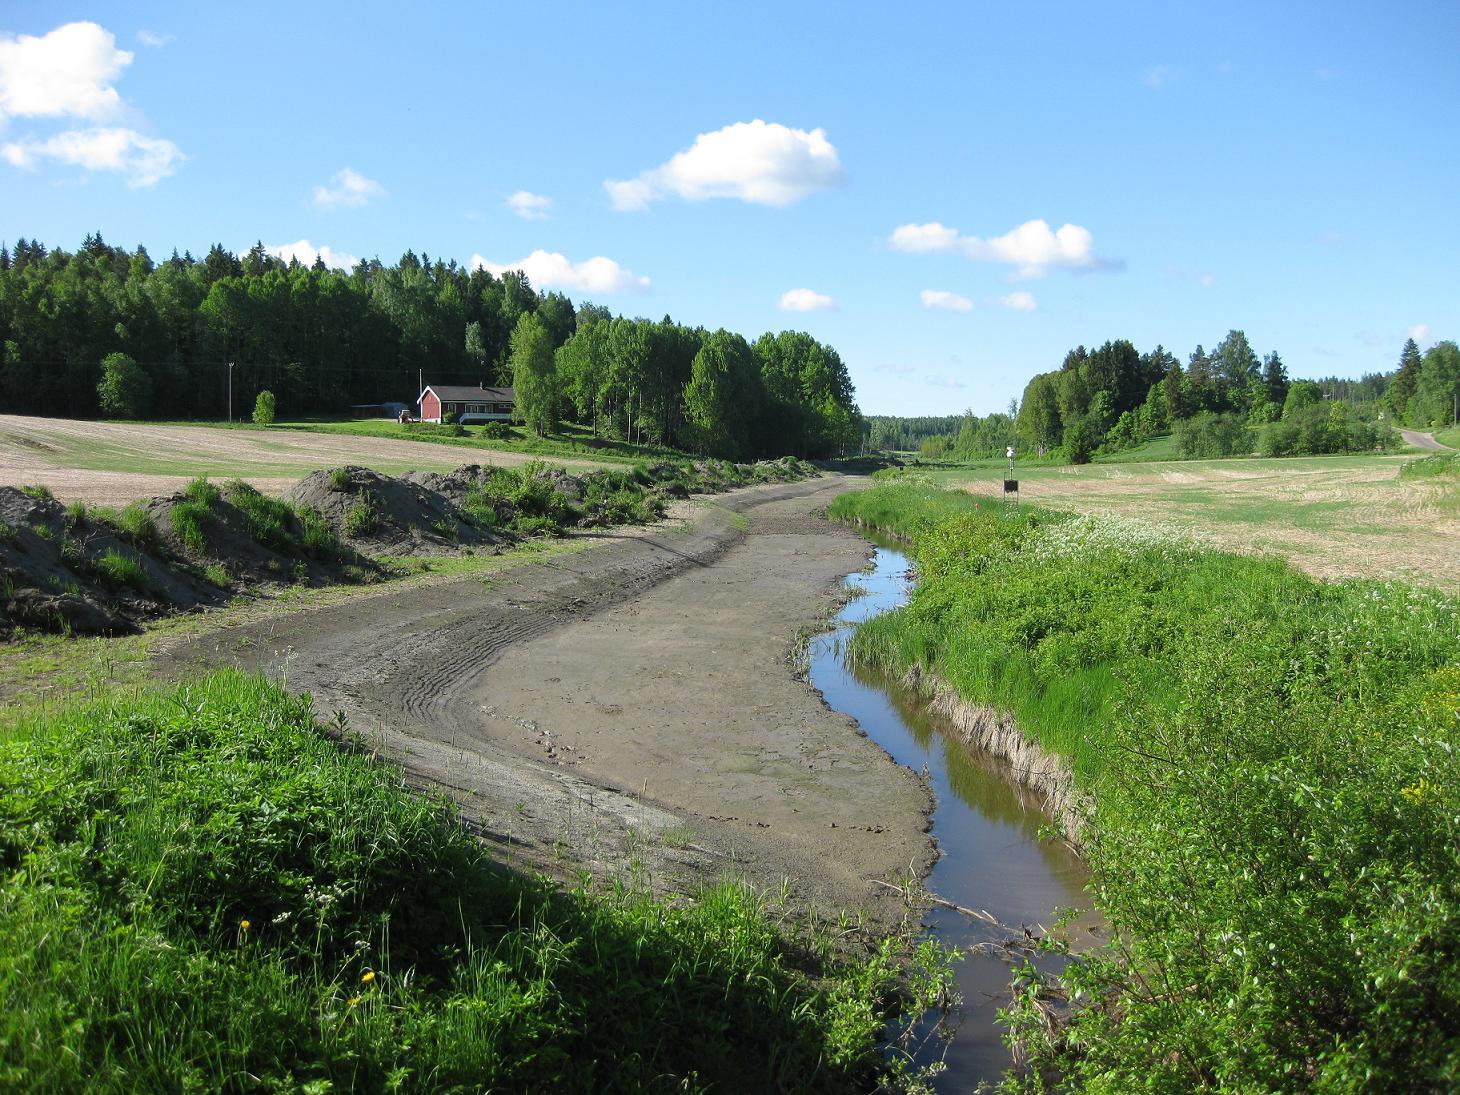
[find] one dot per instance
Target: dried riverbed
(630, 709)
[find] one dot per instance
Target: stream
(986, 826)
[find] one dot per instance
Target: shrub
(1208, 435)
(263, 409)
(499, 431)
(125, 389)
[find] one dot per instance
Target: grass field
(1332, 516)
(570, 442)
(112, 463)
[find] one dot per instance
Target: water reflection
(986, 827)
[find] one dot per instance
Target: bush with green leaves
(264, 408)
(1208, 435)
(499, 431)
(203, 891)
(125, 388)
(1273, 766)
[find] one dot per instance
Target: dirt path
(630, 708)
(1422, 440)
(113, 463)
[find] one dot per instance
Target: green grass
(121, 569)
(190, 521)
(1272, 765)
(1157, 448)
(1450, 435)
(363, 516)
(571, 441)
(205, 892)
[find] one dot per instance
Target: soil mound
(417, 514)
(71, 570)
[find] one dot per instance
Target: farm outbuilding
(468, 404)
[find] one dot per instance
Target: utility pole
(230, 393)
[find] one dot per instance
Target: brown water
(987, 828)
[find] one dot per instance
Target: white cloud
(921, 238)
(1031, 248)
(1019, 301)
(349, 190)
(550, 269)
(761, 162)
(1206, 281)
(805, 300)
(305, 252)
(68, 72)
(143, 160)
(153, 40)
(1158, 76)
(943, 381)
(1420, 332)
(942, 298)
(529, 206)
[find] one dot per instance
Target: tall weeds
(1277, 794)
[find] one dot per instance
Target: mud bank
(630, 709)
(1031, 766)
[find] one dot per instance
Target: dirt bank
(631, 708)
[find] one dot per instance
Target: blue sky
(1287, 169)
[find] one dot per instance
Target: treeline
(1227, 402)
(321, 339)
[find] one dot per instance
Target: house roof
(458, 393)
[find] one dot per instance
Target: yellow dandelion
(354, 1000)
(367, 977)
(244, 925)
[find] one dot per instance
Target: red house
(469, 405)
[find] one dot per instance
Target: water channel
(987, 828)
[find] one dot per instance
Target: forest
(322, 339)
(1229, 402)
(1226, 402)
